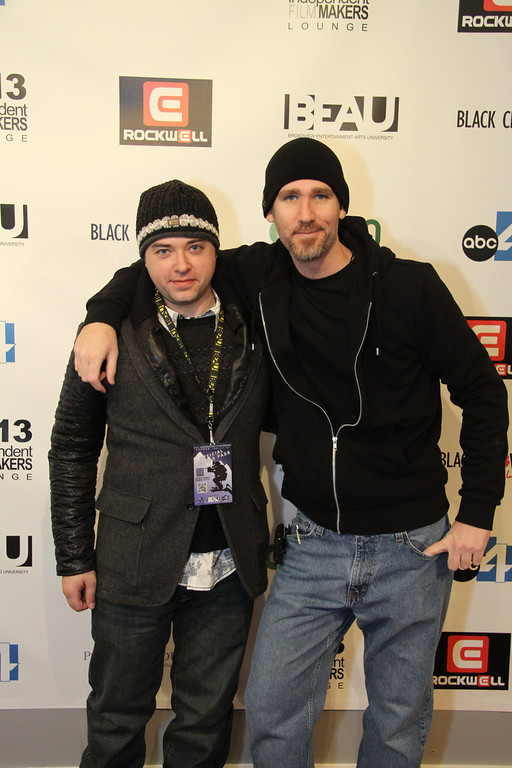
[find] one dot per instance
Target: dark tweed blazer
(146, 505)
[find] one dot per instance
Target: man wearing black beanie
(358, 342)
(182, 534)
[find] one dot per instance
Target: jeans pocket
(303, 528)
(419, 539)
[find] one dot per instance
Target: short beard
(313, 252)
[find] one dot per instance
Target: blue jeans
(327, 580)
(210, 632)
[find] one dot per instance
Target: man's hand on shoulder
(80, 590)
(465, 545)
(96, 343)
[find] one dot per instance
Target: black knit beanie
(304, 159)
(175, 209)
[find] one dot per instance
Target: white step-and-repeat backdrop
(102, 99)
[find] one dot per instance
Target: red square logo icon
(495, 6)
(166, 103)
(492, 334)
(468, 654)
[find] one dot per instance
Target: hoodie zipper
(334, 437)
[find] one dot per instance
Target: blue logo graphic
(504, 232)
(9, 663)
(497, 562)
(7, 344)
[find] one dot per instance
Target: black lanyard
(217, 347)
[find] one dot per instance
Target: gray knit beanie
(175, 209)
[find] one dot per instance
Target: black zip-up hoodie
(382, 472)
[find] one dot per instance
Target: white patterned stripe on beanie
(169, 222)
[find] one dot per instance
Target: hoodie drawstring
(376, 298)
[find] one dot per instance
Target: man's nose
(306, 210)
(181, 262)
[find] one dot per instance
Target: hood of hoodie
(371, 263)
(372, 260)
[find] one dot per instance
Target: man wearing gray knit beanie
(182, 533)
(359, 342)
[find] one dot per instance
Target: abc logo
(480, 243)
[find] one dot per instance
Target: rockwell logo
(495, 333)
(16, 556)
(481, 242)
(13, 224)
(472, 661)
(16, 457)
(485, 16)
(165, 112)
(368, 117)
(13, 109)
(328, 15)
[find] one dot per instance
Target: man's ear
(270, 216)
(343, 213)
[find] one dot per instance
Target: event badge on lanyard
(212, 462)
(212, 474)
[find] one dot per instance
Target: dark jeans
(209, 631)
